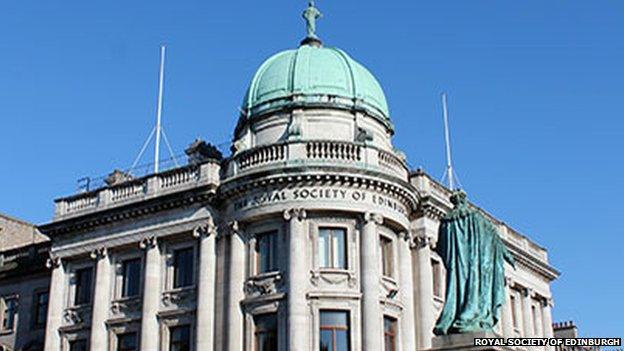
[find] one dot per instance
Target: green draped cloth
(474, 256)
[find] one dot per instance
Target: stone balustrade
(315, 152)
(136, 190)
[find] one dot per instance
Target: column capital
(527, 292)
(548, 302)
(373, 217)
(205, 229)
(53, 262)
(99, 253)
(148, 242)
(405, 235)
(295, 213)
(421, 241)
(509, 282)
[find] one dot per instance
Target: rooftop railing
(139, 189)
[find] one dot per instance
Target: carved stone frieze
(318, 277)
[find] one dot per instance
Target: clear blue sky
(535, 89)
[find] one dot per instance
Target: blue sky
(535, 92)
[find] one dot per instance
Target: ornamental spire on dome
(310, 15)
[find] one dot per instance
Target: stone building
(24, 281)
(312, 235)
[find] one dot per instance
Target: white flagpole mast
(449, 162)
(161, 79)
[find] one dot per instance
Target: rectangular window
(41, 308)
(127, 342)
(78, 345)
(84, 279)
(334, 333)
(131, 278)
(183, 267)
(390, 334)
(9, 312)
(332, 248)
(266, 332)
(535, 321)
(386, 256)
(437, 277)
(266, 250)
(180, 338)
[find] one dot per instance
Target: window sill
(265, 275)
(6, 332)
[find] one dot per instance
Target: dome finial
(310, 15)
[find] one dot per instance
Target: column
(547, 329)
(236, 282)
(527, 320)
(406, 277)
(55, 304)
(150, 339)
(426, 228)
(206, 287)
(101, 299)
(372, 332)
(506, 313)
(298, 326)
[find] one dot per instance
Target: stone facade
(24, 281)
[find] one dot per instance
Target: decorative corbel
(148, 242)
(295, 213)
(99, 253)
(373, 217)
(204, 230)
(53, 262)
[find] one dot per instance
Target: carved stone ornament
(148, 242)
(98, 253)
(389, 289)
(76, 315)
(295, 129)
(53, 262)
(421, 241)
(548, 302)
(126, 306)
(373, 217)
(405, 235)
(205, 229)
(333, 278)
(178, 297)
(295, 213)
(263, 285)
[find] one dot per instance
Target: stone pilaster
(55, 304)
(372, 331)
(547, 329)
(236, 283)
(406, 279)
(298, 317)
(425, 230)
(506, 312)
(151, 294)
(101, 299)
(206, 287)
(527, 318)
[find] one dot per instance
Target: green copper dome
(314, 76)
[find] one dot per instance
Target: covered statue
(474, 255)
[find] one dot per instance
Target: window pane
(183, 267)
(41, 308)
(327, 340)
(131, 277)
(324, 248)
(342, 340)
(84, 278)
(266, 250)
(334, 318)
(8, 315)
(386, 256)
(266, 332)
(340, 253)
(78, 345)
(180, 338)
(390, 334)
(127, 342)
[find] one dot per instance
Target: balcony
(317, 153)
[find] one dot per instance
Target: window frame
(181, 325)
(275, 332)
(170, 268)
(335, 328)
(74, 268)
(14, 314)
(387, 242)
(36, 308)
(274, 265)
(126, 333)
(332, 253)
(393, 334)
(123, 286)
